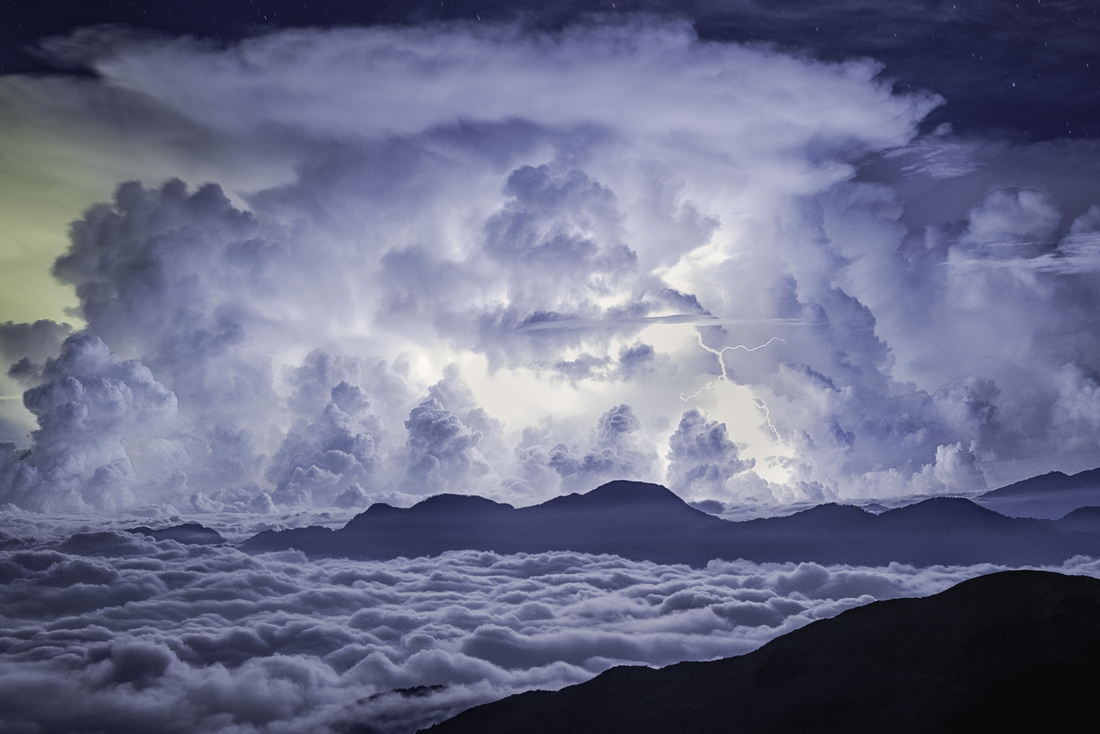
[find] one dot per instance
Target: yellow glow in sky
(42, 190)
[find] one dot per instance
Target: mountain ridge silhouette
(1046, 496)
(644, 521)
(1010, 651)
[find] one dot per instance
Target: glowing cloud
(463, 257)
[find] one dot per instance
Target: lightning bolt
(767, 417)
(725, 376)
(722, 362)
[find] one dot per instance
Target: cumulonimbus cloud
(476, 250)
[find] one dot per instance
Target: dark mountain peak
(447, 506)
(379, 508)
(625, 502)
(189, 533)
(458, 504)
(830, 512)
(375, 512)
(1081, 513)
(1052, 481)
(1049, 496)
(946, 510)
(640, 520)
(1011, 651)
(1083, 519)
(1014, 593)
(623, 493)
(312, 539)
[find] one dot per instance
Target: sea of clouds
(103, 630)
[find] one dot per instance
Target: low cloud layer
(124, 629)
(480, 259)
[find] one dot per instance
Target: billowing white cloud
(317, 459)
(124, 629)
(88, 405)
(613, 450)
(702, 458)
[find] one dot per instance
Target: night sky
(264, 264)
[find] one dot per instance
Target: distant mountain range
(644, 521)
(1008, 652)
(190, 533)
(1047, 496)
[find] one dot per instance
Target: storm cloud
(496, 260)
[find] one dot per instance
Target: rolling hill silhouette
(189, 533)
(1047, 496)
(644, 521)
(1008, 652)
